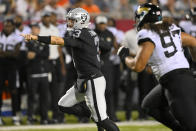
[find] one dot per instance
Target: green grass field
(122, 128)
(70, 119)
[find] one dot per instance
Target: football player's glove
(123, 52)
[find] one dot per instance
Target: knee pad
(108, 125)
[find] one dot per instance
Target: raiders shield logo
(83, 18)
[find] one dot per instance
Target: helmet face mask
(147, 13)
(80, 18)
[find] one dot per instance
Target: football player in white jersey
(9, 52)
(160, 46)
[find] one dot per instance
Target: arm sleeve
(144, 36)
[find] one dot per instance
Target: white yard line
(71, 126)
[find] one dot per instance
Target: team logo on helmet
(80, 16)
(147, 13)
(83, 18)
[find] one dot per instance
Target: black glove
(123, 52)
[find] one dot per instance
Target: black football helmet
(147, 13)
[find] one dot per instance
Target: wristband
(44, 39)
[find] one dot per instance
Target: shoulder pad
(84, 34)
(174, 27)
(145, 35)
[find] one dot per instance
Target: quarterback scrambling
(90, 85)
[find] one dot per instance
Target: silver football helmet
(80, 17)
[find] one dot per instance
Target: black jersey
(84, 44)
(39, 64)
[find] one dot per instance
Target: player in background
(189, 26)
(160, 46)
(90, 85)
(10, 45)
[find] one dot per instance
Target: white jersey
(50, 31)
(168, 54)
(186, 25)
(8, 43)
(26, 30)
(192, 30)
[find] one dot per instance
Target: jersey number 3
(169, 42)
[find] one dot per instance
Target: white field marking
(71, 126)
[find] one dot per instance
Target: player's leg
(67, 103)
(95, 100)
(44, 95)
(31, 93)
(155, 105)
(2, 81)
(14, 94)
(181, 94)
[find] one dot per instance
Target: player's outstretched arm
(54, 40)
(139, 62)
(188, 40)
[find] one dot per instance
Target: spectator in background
(124, 10)
(55, 75)
(113, 5)
(37, 78)
(155, 2)
(193, 3)
(58, 74)
(27, 9)
(103, 5)
(9, 51)
(170, 10)
(116, 32)
(115, 59)
(141, 1)
(182, 6)
(75, 4)
(21, 29)
(53, 7)
(7, 8)
(129, 78)
(106, 43)
(189, 26)
(63, 3)
(91, 8)
(145, 80)
(22, 60)
(130, 41)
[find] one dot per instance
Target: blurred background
(32, 78)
